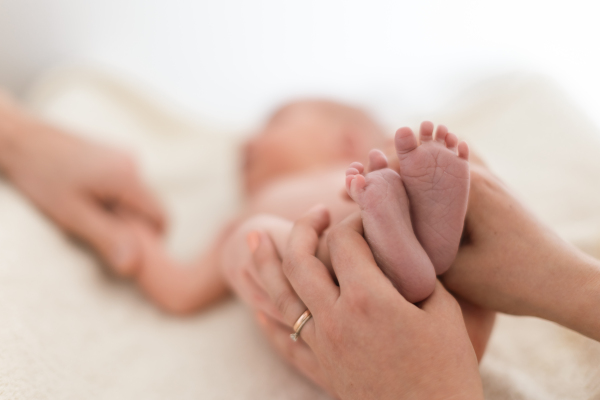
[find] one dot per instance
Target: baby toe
(451, 141)
(463, 150)
(441, 133)
(405, 140)
(426, 131)
(377, 160)
(357, 166)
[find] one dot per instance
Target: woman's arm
(511, 262)
(78, 184)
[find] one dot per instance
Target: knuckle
(306, 225)
(291, 262)
(283, 301)
(360, 301)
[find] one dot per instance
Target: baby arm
(176, 287)
(182, 288)
(237, 262)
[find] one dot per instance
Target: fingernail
(253, 240)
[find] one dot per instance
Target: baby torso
(292, 196)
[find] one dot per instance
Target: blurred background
(234, 60)
(67, 330)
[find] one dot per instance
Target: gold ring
(306, 315)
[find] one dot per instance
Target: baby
(296, 161)
(412, 209)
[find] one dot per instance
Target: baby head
(309, 135)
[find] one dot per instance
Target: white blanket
(68, 330)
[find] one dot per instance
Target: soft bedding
(70, 330)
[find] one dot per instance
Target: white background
(235, 59)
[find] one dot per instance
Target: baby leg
(435, 172)
(387, 223)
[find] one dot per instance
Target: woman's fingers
(121, 185)
(306, 273)
(139, 200)
(352, 258)
(443, 307)
(307, 230)
(247, 287)
(479, 323)
(274, 281)
(442, 304)
(297, 354)
(108, 234)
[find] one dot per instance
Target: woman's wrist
(513, 263)
(573, 300)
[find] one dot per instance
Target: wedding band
(306, 315)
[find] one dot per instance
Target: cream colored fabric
(549, 153)
(69, 331)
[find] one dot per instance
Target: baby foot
(385, 214)
(436, 177)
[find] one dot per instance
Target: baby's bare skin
(182, 288)
(388, 229)
(295, 162)
(426, 201)
(436, 177)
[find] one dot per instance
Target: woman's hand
(367, 340)
(510, 262)
(82, 186)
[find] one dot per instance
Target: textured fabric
(69, 330)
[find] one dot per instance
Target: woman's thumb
(441, 303)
